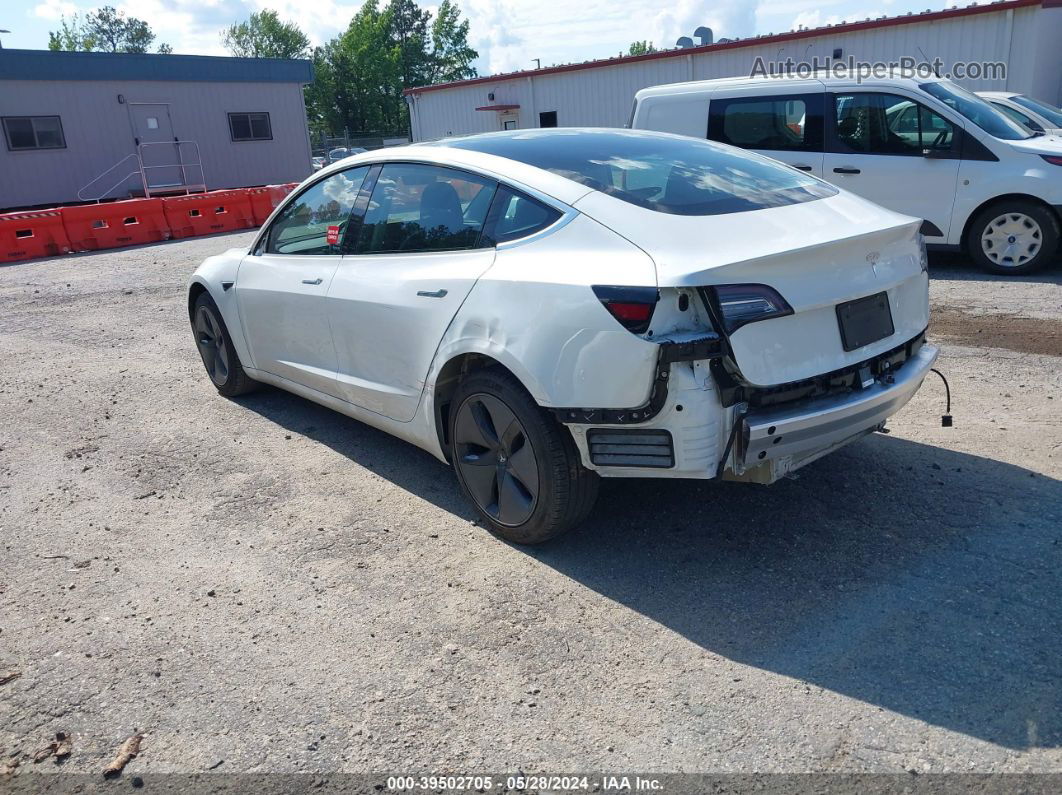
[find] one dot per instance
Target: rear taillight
(1053, 159)
(741, 304)
(631, 306)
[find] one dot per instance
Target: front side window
(1019, 117)
(250, 127)
(1049, 112)
(983, 114)
(315, 221)
(666, 173)
(786, 123)
(418, 207)
(888, 124)
(33, 132)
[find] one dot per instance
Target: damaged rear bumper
(774, 441)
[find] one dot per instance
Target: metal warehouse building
(78, 126)
(1026, 35)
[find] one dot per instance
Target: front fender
(217, 275)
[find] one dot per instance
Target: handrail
(141, 171)
(180, 164)
(138, 170)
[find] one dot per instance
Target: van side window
(888, 124)
(789, 122)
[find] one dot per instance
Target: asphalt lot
(264, 585)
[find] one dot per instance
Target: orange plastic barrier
(35, 233)
(126, 223)
(208, 213)
(266, 198)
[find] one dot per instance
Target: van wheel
(515, 462)
(1013, 237)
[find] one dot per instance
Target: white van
(921, 146)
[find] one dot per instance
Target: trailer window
(250, 127)
(33, 132)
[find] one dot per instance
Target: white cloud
(815, 19)
(54, 9)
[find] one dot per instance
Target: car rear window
(667, 173)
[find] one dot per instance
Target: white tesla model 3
(543, 308)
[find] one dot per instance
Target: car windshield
(1049, 112)
(986, 116)
(667, 173)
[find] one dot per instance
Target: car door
(896, 152)
(785, 126)
(281, 287)
(417, 254)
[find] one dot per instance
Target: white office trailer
(1023, 35)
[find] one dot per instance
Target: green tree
(71, 36)
(359, 76)
(165, 49)
(451, 56)
(408, 30)
(265, 35)
(641, 48)
(105, 29)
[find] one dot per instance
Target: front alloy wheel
(219, 356)
(496, 459)
(210, 337)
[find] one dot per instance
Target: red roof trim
(948, 13)
(498, 107)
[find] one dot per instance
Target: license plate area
(864, 321)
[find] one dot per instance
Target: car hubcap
(496, 459)
(1012, 239)
(211, 342)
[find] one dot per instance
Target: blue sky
(507, 33)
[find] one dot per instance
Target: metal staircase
(156, 179)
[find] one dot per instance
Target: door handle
(318, 280)
(846, 170)
(802, 167)
(432, 293)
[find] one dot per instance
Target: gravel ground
(264, 585)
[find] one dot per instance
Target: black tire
(517, 502)
(215, 348)
(1014, 221)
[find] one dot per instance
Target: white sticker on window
(152, 123)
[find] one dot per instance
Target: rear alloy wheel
(219, 356)
(518, 465)
(1013, 237)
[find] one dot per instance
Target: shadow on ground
(957, 266)
(910, 577)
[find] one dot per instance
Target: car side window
(418, 207)
(887, 124)
(314, 222)
(791, 122)
(1019, 117)
(514, 215)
